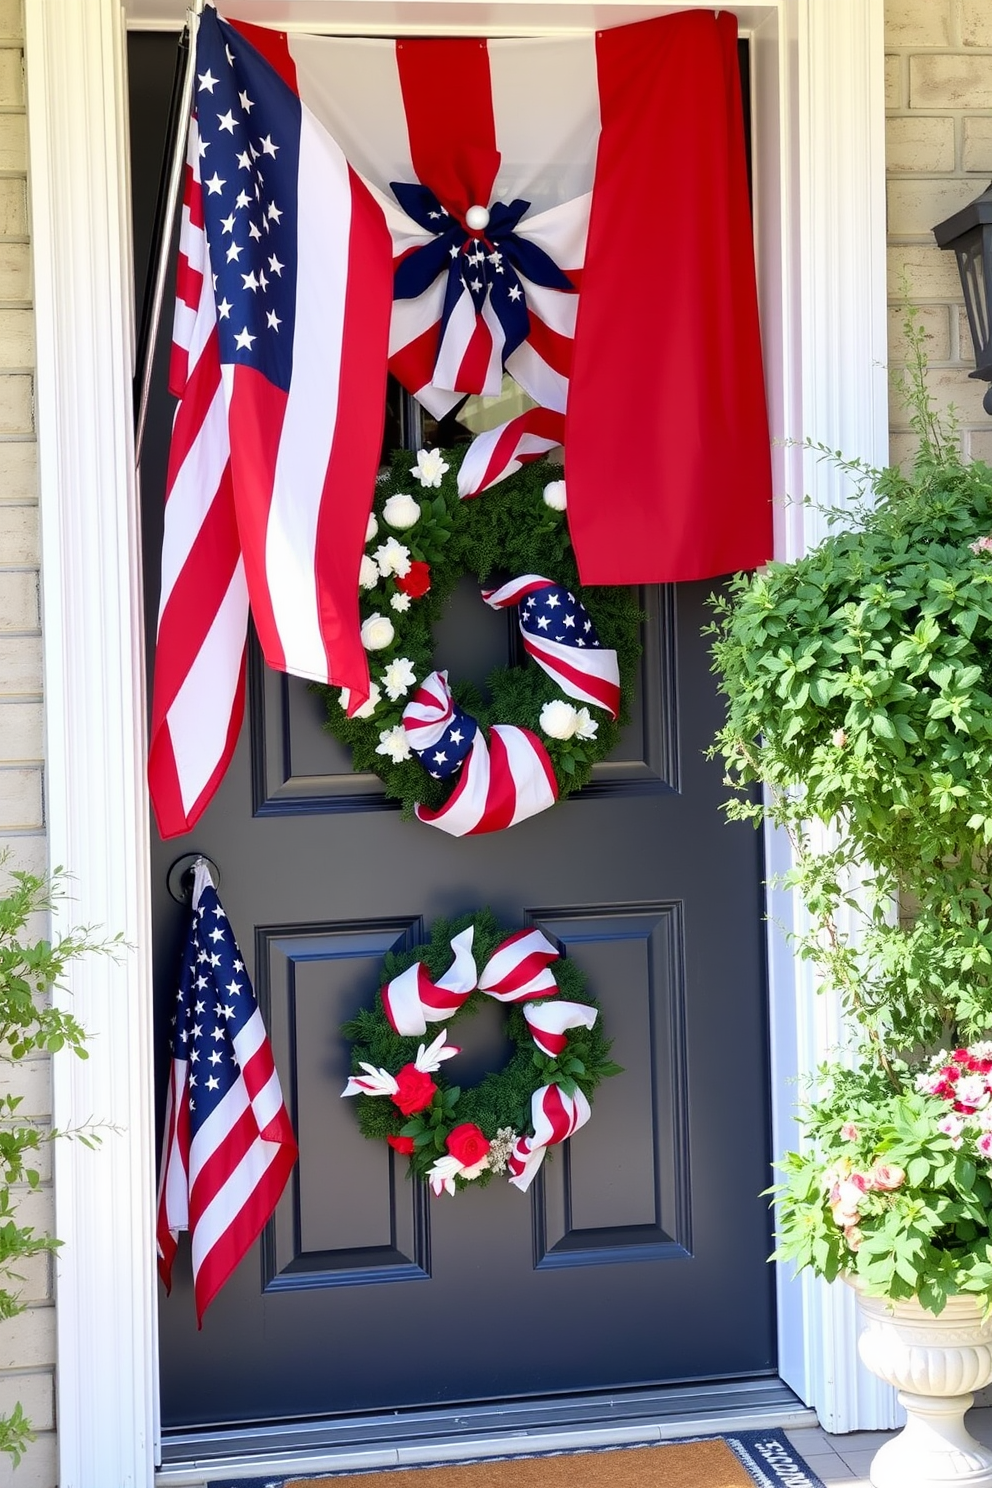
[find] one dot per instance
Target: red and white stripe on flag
(198, 694)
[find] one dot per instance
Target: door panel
(638, 1256)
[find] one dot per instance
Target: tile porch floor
(845, 1460)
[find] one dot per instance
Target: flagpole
(165, 218)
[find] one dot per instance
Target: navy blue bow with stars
(489, 263)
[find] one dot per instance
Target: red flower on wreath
(401, 1144)
(467, 1143)
(414, 1090)
(416, 581)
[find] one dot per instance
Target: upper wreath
(461, 762)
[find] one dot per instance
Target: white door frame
(819, 174)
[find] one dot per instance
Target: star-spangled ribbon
(487, 265)
(559, 634)
(438, 730)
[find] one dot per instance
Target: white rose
(401, 511)
(372, 528)
(429, 467)
(559, 720)
(586, 727)
(554, 495)
(400, 602)
(398, 677)
(368, 573)
(392, 557)
(377, 632)
(394, 743)
(368, 707)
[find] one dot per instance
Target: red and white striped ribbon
(549, 1020)
(518, 969)
(412, 1000)
(500, 452)
(429, 711)
(589, 674)
(555, 1116)
(502, 782)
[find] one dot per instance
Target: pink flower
(844, 1200)
(983, 545)
(951, 1126)
(887, 1176)
(854, 1237)
(849, 1132)
(984, 1144)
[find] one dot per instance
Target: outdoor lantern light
(969, 233)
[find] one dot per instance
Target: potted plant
(858, 683)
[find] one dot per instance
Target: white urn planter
(936, 1363)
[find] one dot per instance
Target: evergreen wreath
(418, 546)
(454, 1136)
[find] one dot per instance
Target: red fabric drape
(667, 451)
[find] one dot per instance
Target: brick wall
(939, 158)
(27, 1342)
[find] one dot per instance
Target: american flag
(283, 292)
(228, 1146)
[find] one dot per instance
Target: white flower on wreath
(377, 632)
(429, 467)
(368, 573)
(394, 744)
(392, 557)
(368, 707)
(401, 511)
(554, 495)
(442, 1175)
(398, 678)
(372, 528)
(586, 726)
(400, 602)
(559, 719)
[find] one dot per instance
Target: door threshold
(418, 1438)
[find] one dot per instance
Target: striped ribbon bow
(555, 1117)
(559, 634)
(502, 781)
(517, 970)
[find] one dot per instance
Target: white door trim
(819, 169)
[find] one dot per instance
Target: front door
(638, 1256)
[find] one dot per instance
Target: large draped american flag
(570, 211)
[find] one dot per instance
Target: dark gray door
(639, 1255)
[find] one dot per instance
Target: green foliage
(858, 683)
(929, 1237)
(859, 690)
(29, 971)
(502, 1098)
(507, 531)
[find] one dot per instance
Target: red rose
(417, 582)
(415, 1090)
(467, 1143)
(401, 1144)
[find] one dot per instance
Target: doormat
(742, 1460)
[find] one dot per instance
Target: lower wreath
(506, 1123)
